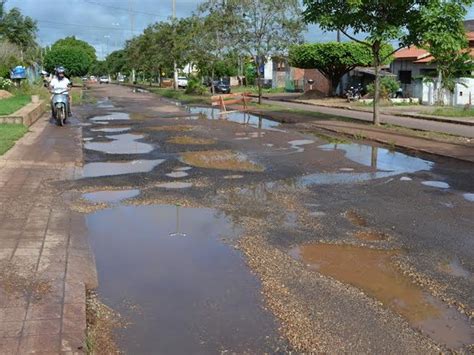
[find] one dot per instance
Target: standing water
(194, 291)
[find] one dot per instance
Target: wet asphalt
(309, 184)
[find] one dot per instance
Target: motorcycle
(59, 103)
(354, 93)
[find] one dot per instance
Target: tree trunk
(334, 84)
(213, 89)
(259, 85)
(439, 99)
(376, 54)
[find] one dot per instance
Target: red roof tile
(411, 53)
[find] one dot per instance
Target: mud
(371, 235)
(221, 160)
(372, 271)
(173, 128)
(191, 140)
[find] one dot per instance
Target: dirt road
(216, 235)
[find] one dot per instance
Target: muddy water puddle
(115, 116)
(469, 197)
(373, 272)
(110, 196)
(380, 158)
(237, 117)
(120, 168)
(194, 292)
(126, 143)
(111, 130)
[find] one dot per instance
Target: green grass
(454, 112)
(13, 104)
(9, 134)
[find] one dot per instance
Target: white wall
(427, 92)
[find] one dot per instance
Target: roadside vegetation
(454, 112)
(9, 134)
(13, 104)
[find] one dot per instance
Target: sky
(107, 24)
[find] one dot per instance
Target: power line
(123, 9)
(82, 26)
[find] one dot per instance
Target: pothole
(175, 185)
(120, 168)
(115, 116)
(373, 272)
(437, 184)
(110, 196)
(121, 144)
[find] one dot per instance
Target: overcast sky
(106, 24)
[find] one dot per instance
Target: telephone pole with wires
(132, 25)
(175, 65)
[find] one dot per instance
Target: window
(404, 76)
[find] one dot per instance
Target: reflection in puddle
(341, 178)
(455, 268)
(112, 117)
(437, 184)
(121, 144)
(110, 196)
(220, 159)
(196, 294)
(469, 197)
(238, 117)
(175, 185)
(184, 168)
(112, 130)
(120, 168)
(381, 158)
(299, 143)
(373, 271)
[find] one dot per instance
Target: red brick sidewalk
(45, 259)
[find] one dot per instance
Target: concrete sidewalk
(45, 259)
(408, 122)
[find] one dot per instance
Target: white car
(182, 82)
(104, 80)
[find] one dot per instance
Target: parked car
(182, 82)
(221, 87)
(104, 80)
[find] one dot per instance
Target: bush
(5, 84)
(388, 87)
(195, 87)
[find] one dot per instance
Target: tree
(332, 59)
(73, 42)
(116, 62)
(9, 57)
(443, 35)
(18, 29)
(212, 46)
(380, 21)
(75, 60)
(261, 28)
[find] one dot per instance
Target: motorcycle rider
(61, 83)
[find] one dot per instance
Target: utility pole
(338, 35)
(132, 23)
(175, 65)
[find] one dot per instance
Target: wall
(427, 92)
(416, 70)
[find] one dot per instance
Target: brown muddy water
(193, 291)
(373, 271)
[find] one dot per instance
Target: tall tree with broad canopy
(333, 59)
(262, 28)
(379, 21)
(70, 42)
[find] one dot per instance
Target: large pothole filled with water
(178, 267)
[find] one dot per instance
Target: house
(412, 64)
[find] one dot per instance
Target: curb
(27, 115)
